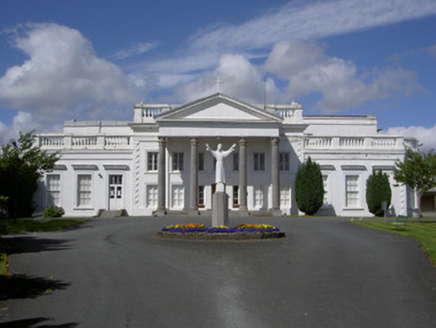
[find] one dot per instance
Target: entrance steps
(111, 213)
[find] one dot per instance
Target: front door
(115, 192)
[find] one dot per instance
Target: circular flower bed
(242, 231)
(191, 227)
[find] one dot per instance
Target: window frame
(178, 161)
(348, 200)
(148, 189)
(284, 162)
(79, 191)
(152, 161)
(49, 191)
(259, 161)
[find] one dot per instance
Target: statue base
(220, 209)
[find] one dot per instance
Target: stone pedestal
(220, 209)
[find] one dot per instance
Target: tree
(309, 187)
(378, 190)
(417, 171)
(21, 166)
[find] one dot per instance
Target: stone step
(111, 213)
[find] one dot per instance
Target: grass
(40, 226)
(423, 232)
(3, 264)
(9, 226)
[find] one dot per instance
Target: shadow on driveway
(22, 286)
(28, 323)
(19, 245)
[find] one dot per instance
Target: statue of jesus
(219, 154)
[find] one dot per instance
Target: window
(200, 196)
(285, 197)
(151, 196)
(284, 161)
(53, 189)
(259, 161)
(201, 161)
(235, 161)
(84, 190)
(235, 196)
(352, 190)
(325, 180)
(178, 197)
(152, 161)
(258, 197)
(177, 161)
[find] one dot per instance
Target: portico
(219, 119)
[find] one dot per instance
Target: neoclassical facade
(158, 163)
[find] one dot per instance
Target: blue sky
(93, 60)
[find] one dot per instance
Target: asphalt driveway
(117, 273)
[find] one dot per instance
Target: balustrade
(83, 142)
(151, 112)
(352, 142)
(285, 113)
(318, 142)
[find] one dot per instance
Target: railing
(351, 142)
(379, 142)
(117, 142)
(51, 141)
(83, 142)
(150, 112)
(286, 113)
(60, 142)
(318, 142)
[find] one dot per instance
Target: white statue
(219, 154)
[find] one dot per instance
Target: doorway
(115, 192)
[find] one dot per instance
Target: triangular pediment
(218, 108)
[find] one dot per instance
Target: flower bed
(240, 232)
(192, 227)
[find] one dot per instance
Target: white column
(193, 208)
(243, 211)
(275, 177)
(161, 210)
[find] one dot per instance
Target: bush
(53, 212)
(309, 187)
(378, 190)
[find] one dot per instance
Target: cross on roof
(218, 82)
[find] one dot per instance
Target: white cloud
(22, 122)
(63, 77)
(297, 20)
(134, 50)
(432, 50)
(307, 69)
(308, 20)
(425, 136)
(239, 78)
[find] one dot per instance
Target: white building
(158, 163)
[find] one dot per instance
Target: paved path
(117, 273)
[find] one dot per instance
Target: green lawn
(40, 226)
(31, 226)
(423, 232)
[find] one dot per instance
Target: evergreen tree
(378, 190)
(309, 187)
(21, 166)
